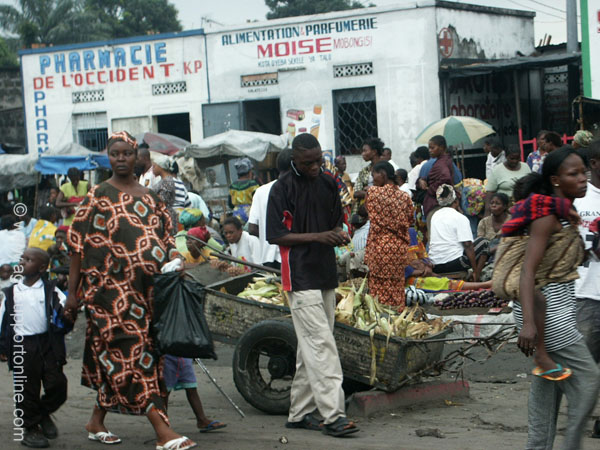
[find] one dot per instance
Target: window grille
(88, 96)
(169, 88)
(355, 118)
(352, 70)
(561, 77)
(263, 79)
(93, 139)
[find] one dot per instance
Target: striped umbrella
(457, 130)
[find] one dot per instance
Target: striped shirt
(182, 199)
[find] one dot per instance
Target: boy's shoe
(48, 428)
(34, 438)
(596, 429)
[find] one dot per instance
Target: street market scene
(330, 223)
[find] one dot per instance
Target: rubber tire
(270, 402)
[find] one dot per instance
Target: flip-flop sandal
(308, 422)
(341, 427)
(104, 437)
(214, 425)
(563, 373)
(177, 444)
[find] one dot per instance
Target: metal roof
(519, 63)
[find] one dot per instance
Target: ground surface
(494, 417)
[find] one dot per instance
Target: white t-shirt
(413, 175)
(258, 217)
(492, 162)
(449, 229)
(148, 179)
(405, 188)
(359, 240)
(588, 207)
(248, 248)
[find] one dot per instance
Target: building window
(352, 70)
(263, 79)
(93, 139)
(88, 96)
(169, 88)
(355, 118)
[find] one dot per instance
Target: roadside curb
(371, 402)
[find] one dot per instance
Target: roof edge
(484, 9)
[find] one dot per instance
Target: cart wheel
(264, 363)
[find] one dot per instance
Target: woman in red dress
(391, 214)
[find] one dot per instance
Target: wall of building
(12, 124)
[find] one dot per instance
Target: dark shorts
(179, 373)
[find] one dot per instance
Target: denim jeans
(588, 323)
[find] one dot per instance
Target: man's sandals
(341, 427)
(558, 374)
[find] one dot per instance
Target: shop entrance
(262, 116)
(174, 124)
(253, 115)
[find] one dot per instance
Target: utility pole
(572, 42)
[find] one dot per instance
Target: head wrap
(242, 166)
(123, 136)
(583, 138)
(201, 233)
(64, 228)
(165, 163)
(189, 217)
(449, 198)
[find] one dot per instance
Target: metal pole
(572, 41)
(205, 370)
(518, 108)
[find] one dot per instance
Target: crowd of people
(425, 229)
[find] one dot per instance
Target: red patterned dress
(391, 214)
(123, 240)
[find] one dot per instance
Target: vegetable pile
(469, 299)
(224, 266)
(265, 289)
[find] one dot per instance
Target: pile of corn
(364, 312)
(265, 289)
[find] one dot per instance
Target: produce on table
(469, 299)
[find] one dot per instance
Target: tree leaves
(290, 8)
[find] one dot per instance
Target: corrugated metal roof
(522, 62)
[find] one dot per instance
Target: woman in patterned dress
(372, 150)
(121, 237)
(391, 214)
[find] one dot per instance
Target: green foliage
(291, 8)
(135, 17)
(7, 56)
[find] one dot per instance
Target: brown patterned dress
(391, 214)
(123, 240)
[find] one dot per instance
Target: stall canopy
(17, 171)
(60, 159)
(236, 143)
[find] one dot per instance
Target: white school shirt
(148, 179)
(248, 247)
(30, 308)
(449, 229)
(258, 217)
(413, 175)
(588, 207)
(405, 188)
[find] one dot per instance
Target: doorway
(175, 125)
(262, 116)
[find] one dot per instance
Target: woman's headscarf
(166, 163)
(583, 138)
(445, 195)
(242, 166)
(190, 216)
(122, 136)
(201, 233)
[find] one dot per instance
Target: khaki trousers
(318, 380)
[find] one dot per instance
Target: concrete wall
(12, 124)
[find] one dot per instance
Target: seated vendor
(451, 246)
(490, 227)
(242, 244)
(196, 252)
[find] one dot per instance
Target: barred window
(88, 96)
(262, 79)
(355, 118)
(169, 88)
(352, 70)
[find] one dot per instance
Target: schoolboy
(32, 332)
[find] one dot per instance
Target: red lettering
(78, 78)
(305, 46)
(186, 68)
(121, 75)
(166, 68)
(266, 51)
(101, 78)
(197, 65)
(323, 45)
(148, 72)
(88, 79)
(65, 82)
(286, 49)
(50, 82)
(111, 76)
(38, 83)
(133, 73)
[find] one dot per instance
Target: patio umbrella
(457, 130)
(166, 144)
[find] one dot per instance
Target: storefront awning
(519, 63)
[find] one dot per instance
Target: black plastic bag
(179, 324)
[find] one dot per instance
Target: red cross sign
(445, 42)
